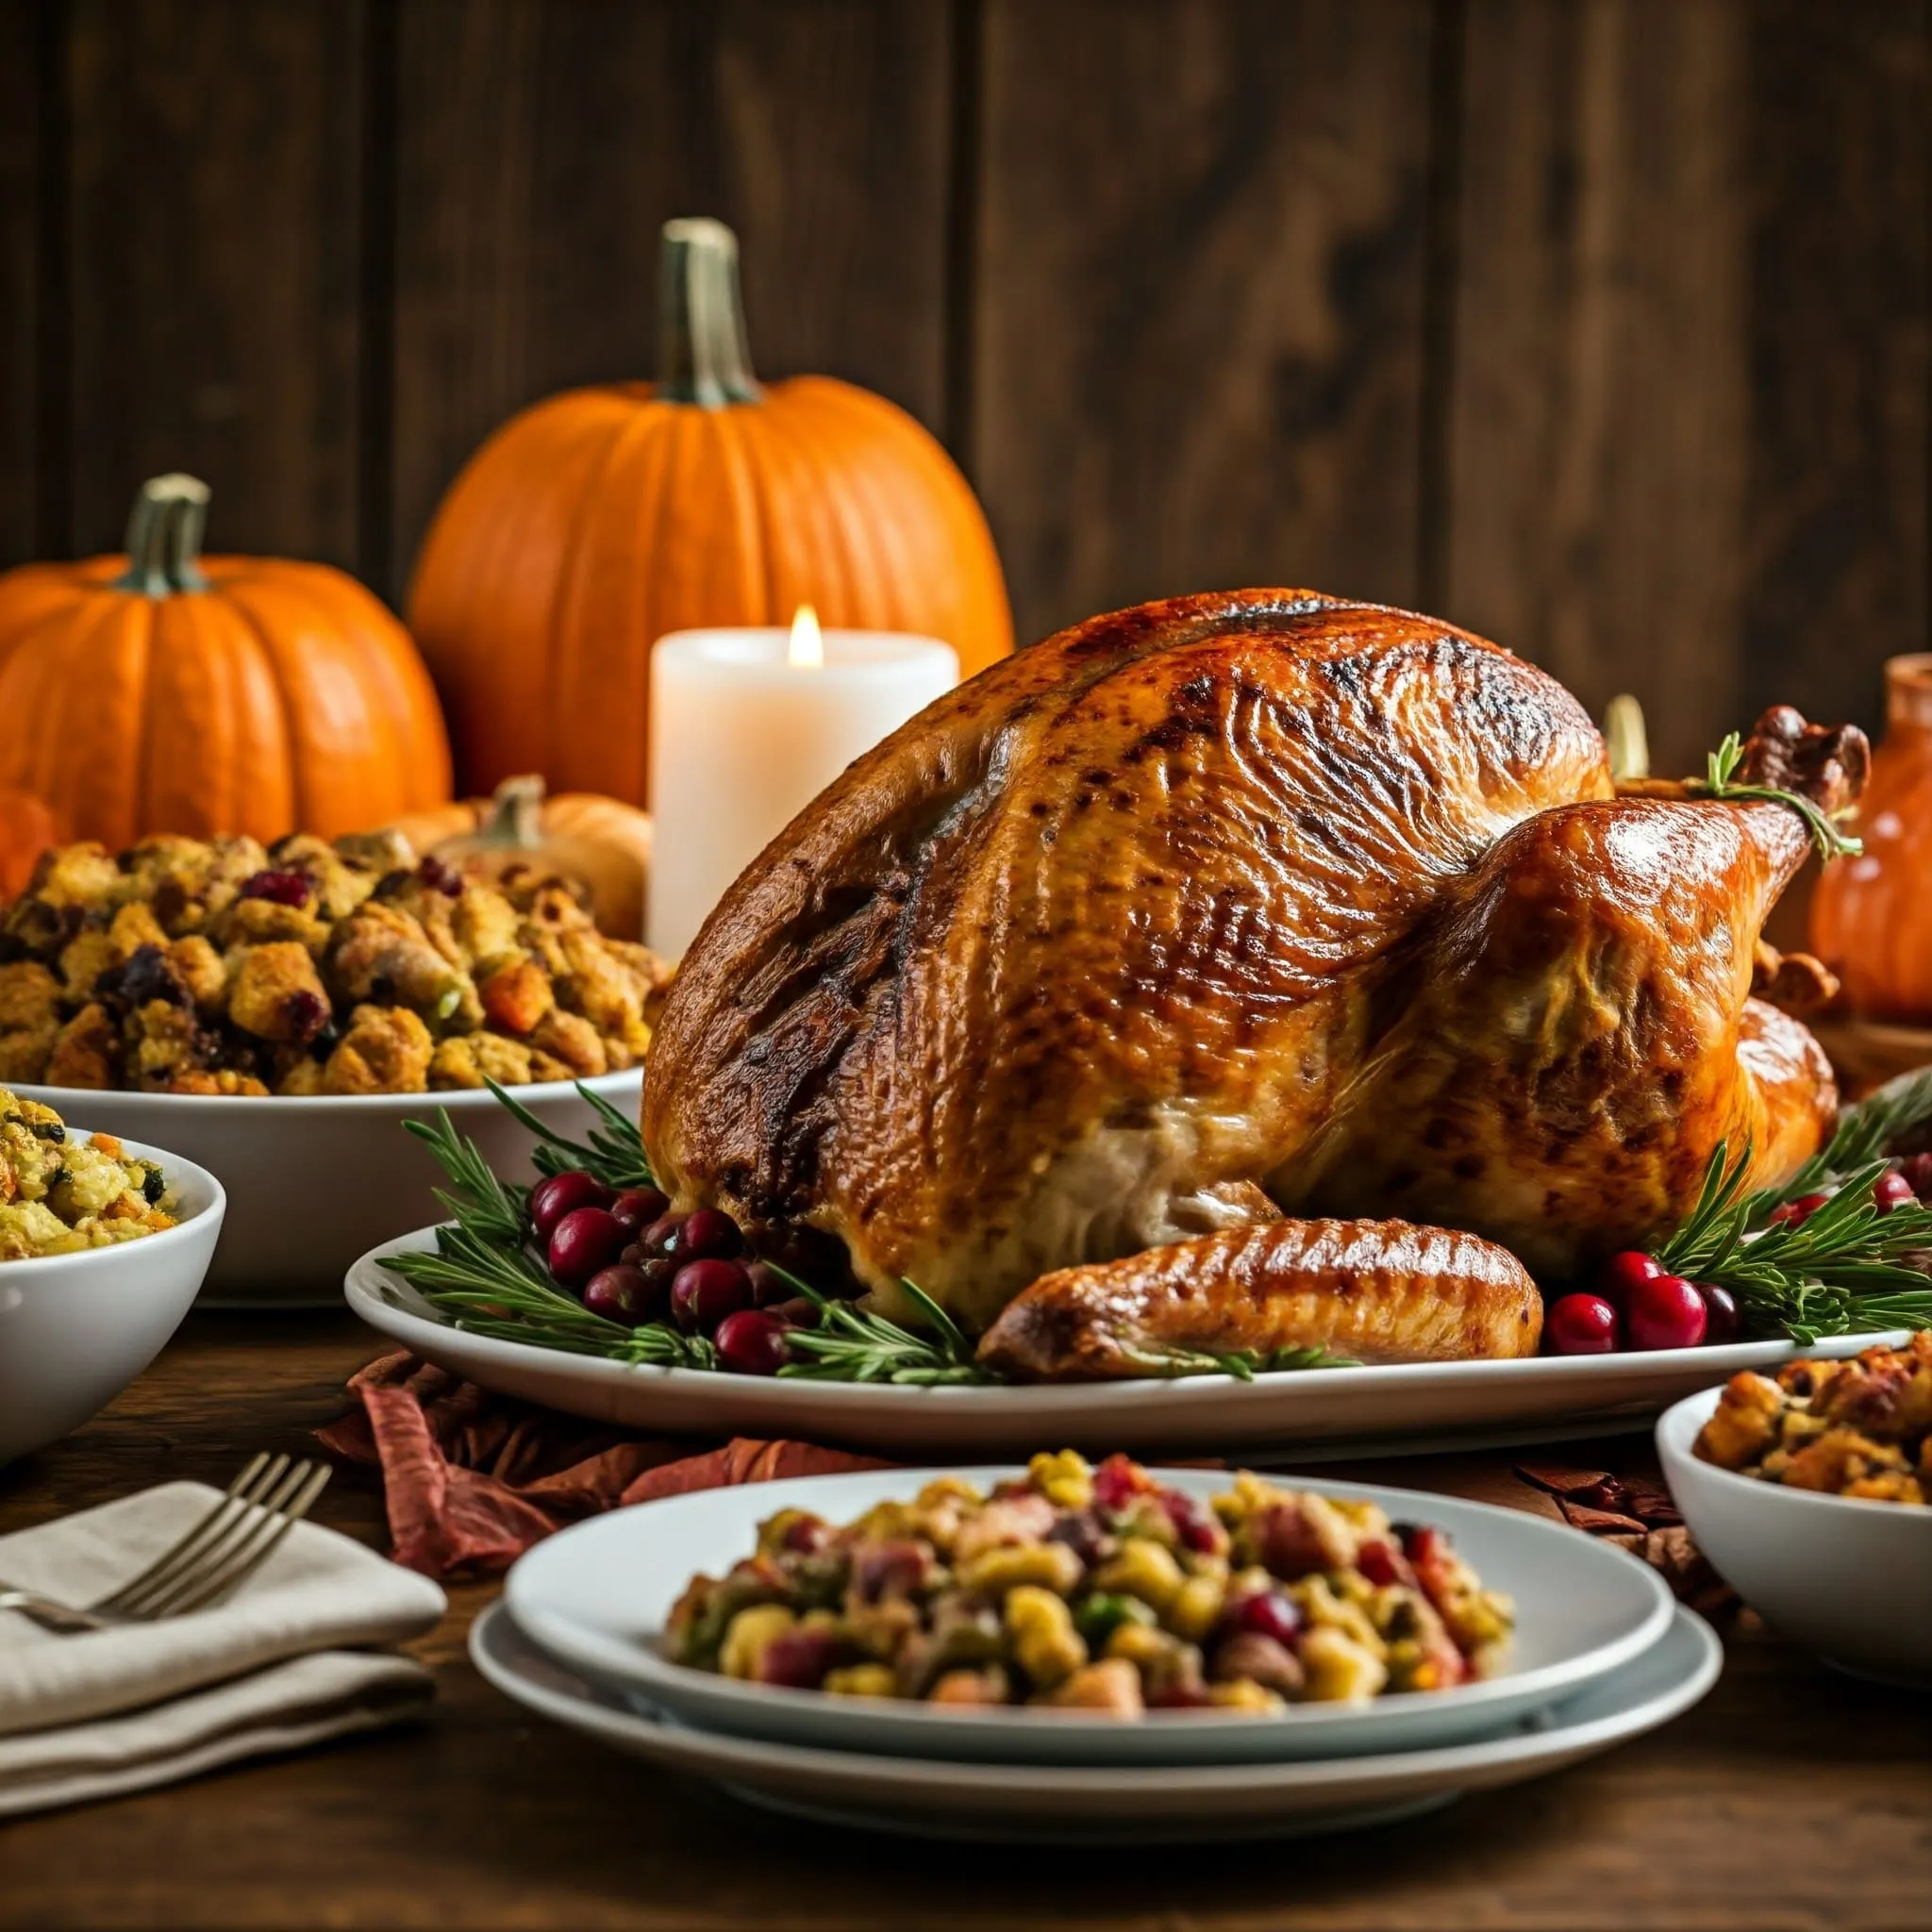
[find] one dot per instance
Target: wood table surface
(1790, 1798)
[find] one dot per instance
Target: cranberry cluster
(633, 1260)
(1636, 1304)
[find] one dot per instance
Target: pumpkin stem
(516, 814)
(702, 354)
(164, 537)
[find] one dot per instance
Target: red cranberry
(586, 1240)
(1796, 1213)
(624, 1293)
(750, 1342)
(1892, 1190)
(706, 1235)
(1667, 1313)
(1270, 1613)
(768, 1287)
(1178, 1697)
(1117, 1481)
(439, 878)
(278, 888)
(1623, 1273)
(1584, 1325)
(1917, 1168)
(704, 1292)
(561, 1194)
(796, 1313)
(1190, 1523)
(638, 1208)
(1721, 1317)
(798, 1658)
(1383, 1563)
(655, 1239)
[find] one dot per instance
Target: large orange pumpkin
(594, 522)
(26, 829)
(164, 691)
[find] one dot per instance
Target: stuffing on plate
(219, 966)
(1862, 1428)
(59, 1195)
(1098, 1590)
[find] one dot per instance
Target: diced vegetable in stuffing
(1098, 1589)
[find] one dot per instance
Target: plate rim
(611, 1661)
(370, 1292)
(1284, 1777)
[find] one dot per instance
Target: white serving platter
(1062, 1803)
(598, 1595)
(1205, 1413)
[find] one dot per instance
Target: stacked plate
(1601, 1654)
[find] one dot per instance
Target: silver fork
(204, 1567)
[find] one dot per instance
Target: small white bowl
(1842, 1576)
(75, 1329)
(315, 1182)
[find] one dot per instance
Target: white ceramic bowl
(1849, 1578)
(75, 1329)
(314, 1183)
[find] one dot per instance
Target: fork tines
(226, 1546)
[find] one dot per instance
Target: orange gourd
(1872, 915)
(164, 691)
(591, 524)
(27, 827)
(602, 843)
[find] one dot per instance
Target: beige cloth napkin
(276, 1669)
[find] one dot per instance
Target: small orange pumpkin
(162, 692)
(600, 842)
(591, 524)
(27, 827)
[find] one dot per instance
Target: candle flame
(807, 650)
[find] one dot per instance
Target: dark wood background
(1600, 325)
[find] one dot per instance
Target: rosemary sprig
(1866, 1130)
(1841, 1271)
(489, 1208)
(850, 1345)
(1243, 1364)
(614, 1154)
(1716, 783)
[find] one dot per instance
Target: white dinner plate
(1187, 1413)
(597, 1596)
(1093, 1804)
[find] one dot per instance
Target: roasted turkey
(1206, 920)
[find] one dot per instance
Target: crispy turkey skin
(1227, 905)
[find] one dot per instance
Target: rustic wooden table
(1791, 1798)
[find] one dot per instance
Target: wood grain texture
(1840, 157)
(1198, 331)
(526, 261)
(1790, 1798)
(22, 132)
(215, 268)
(1600, 402)
(1688, 427)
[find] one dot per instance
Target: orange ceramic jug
(1872, 917)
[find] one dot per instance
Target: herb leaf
(1716, 783)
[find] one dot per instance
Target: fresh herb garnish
(614, 1153)
(1716, 783)
(850, 1345)
(1843, 1269)
(1243, 1364)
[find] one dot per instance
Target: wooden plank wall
(1601, 325)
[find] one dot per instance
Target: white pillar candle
(747, 728)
